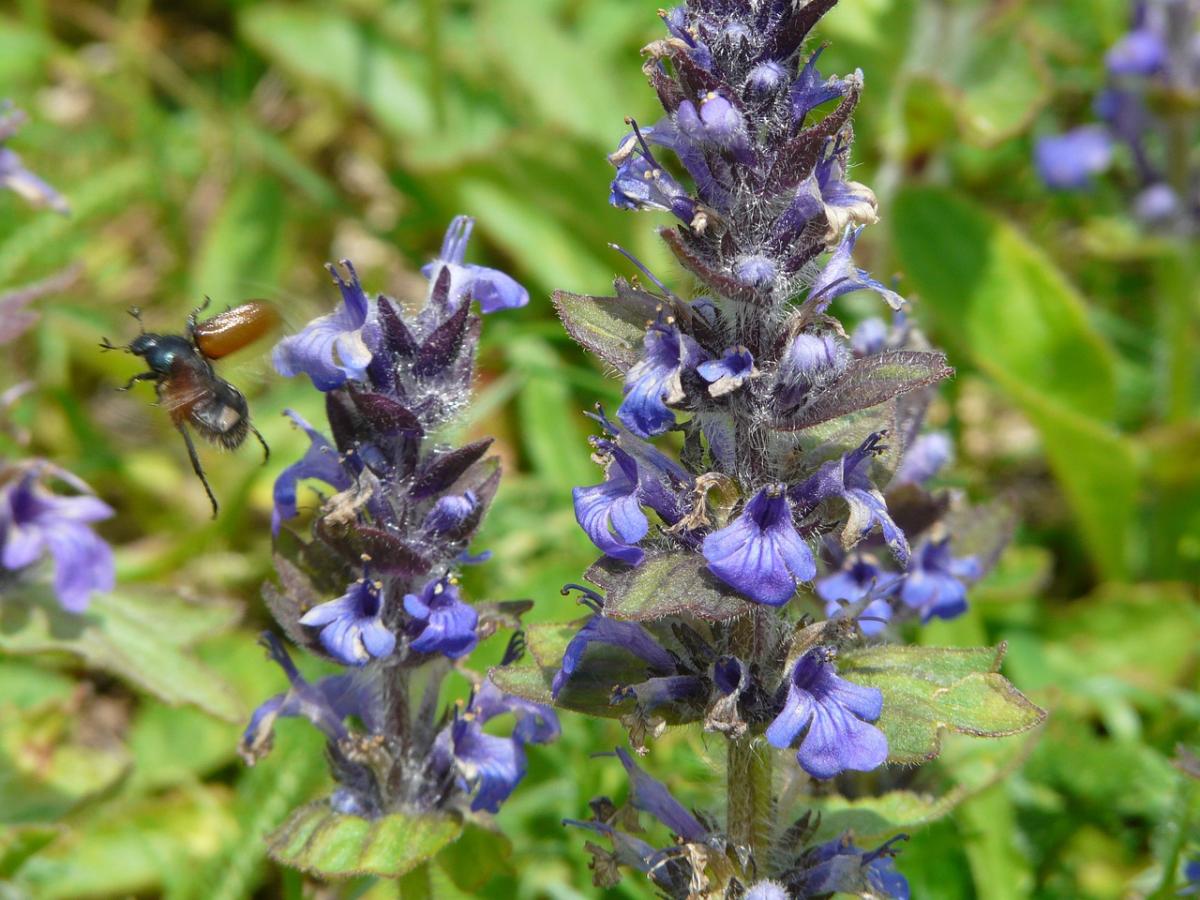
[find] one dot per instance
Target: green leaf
(242, 250)
(123, 849)
(1000, 89)
(668, 584)
(45, 770)
(1022, 324)
(141, 638)
(928, 689)
(19, 843)
(479, 855)
(613, 328)
(869, 382)
(321, 842)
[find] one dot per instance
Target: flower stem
(749, 810)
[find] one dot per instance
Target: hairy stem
(750, 810)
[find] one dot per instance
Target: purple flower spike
(651, 796)
(1068, 161)
(935, 583)
(728, 373)
(442, 622)
(352, 630)
(331, 348)
(834, 716)
(760, 554)
(600, 629)
(34, 522)
(610, 513)
(320, 461)
(655, 380)
(840, 276)
(492, 288)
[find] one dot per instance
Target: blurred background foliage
(230, 148)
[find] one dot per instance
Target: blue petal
(1068, 161)
(320, 461)
(760, 554)
(602, 630)
(610, 513)
(651, 796)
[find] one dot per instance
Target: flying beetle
(180, 365)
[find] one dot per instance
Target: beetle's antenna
(196, 467)
(136, 312)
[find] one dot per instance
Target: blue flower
(1157, 204)
(841, 276)
(492, 288)
(809, 361)
(846, 202)
(331, 348)
(1068, 161)
(610, 513)
(934, 584)
(641, 183)
(34, 522)
(450, 513)
(14, 175)
(767, 890)
(755, 270)
(320, 461)
(717, 122)
(655, 380)
(839, 866)
(1140, 52)
(352, 630)
(651, 796)
(869, 337)
(760, 554)
(492, 766)
(441, 621)
(834, 716)
(728, 373)
(600, 629)
(326, 704)
(859, 578)
(923, 459)
(808, 91)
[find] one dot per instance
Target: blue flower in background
(320, 461)
(760, 554)
(655, 380)
(441, 621)
(35, 522)
(923, 459)
(15, 176)
(492, 288)
(834, 716)
(331, 348)
(842, 867)
(1140, 52)
(1068, 161)
(651, 796)
(610, 513)
(934, 584)
(860, 577)
(352, 629)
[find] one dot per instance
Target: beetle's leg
(140, 376)
(194, 316)
(261, 440)
(196, 467)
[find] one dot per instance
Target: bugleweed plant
(767, 520)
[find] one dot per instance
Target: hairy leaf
(928, 689)
(668, 584)
(325, 843)
(868, 382)
(610, 327)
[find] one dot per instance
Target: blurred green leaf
(139, 637)
(1019, 321)
(1000, 89)
(479, 855)
(242, 249)
(20, 842)
(322, 842)
(22, 51)
(46, 770)
(928, 689)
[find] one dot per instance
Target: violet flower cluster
(375, 590)
(798, 496)
(1150, 111)
(36, 522)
